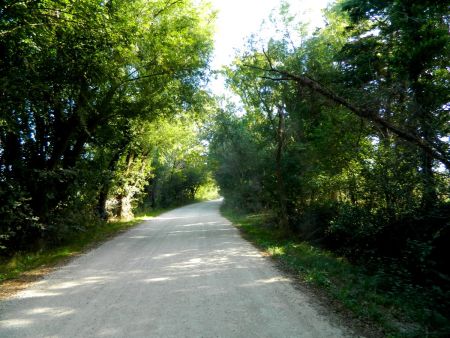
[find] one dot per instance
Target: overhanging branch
(366, 113)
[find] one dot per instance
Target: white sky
(238, 19)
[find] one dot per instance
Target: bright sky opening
(238, 19)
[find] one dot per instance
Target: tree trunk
(429, 196)
(106, 183)
(282, 200)
(101, 202)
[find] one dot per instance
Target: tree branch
(365, 113)
(166, 7)
(143, 77)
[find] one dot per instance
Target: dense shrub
(18, 226)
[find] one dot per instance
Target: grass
(22, 262)
(398, 314)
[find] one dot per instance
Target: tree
(74, 78)
(362, 147)
(178, 157)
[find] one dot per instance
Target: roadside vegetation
(388, 304)
(99, 117)
(343, 140)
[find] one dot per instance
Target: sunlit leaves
(77, 77)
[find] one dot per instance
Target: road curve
(187, 273)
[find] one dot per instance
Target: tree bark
(282, 200)
(106, 183)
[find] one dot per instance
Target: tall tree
(363, 148)
(74, 76)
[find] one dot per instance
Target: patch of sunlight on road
(239, 253)
(38, 293)
(173, 254)
(194, 224)
(201, 263)
(84, 281)
(165, 256)
(273, 280)
(52, 311)
(172, 218)
(277, 279)
(157, 280)
(15, 322)
(195, 231)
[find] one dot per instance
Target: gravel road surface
(186, 273)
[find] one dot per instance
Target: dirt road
(187, 273)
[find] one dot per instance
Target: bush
(412, 246)
(312, 223)
(353, 230)
(18, 226)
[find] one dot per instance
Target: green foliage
(234, 157)
(344, 141)
(79, 82)
(178, 157)
(208, 191)
(18, 224)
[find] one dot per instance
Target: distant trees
(179, 159)
(345, 136)
(79, 81)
